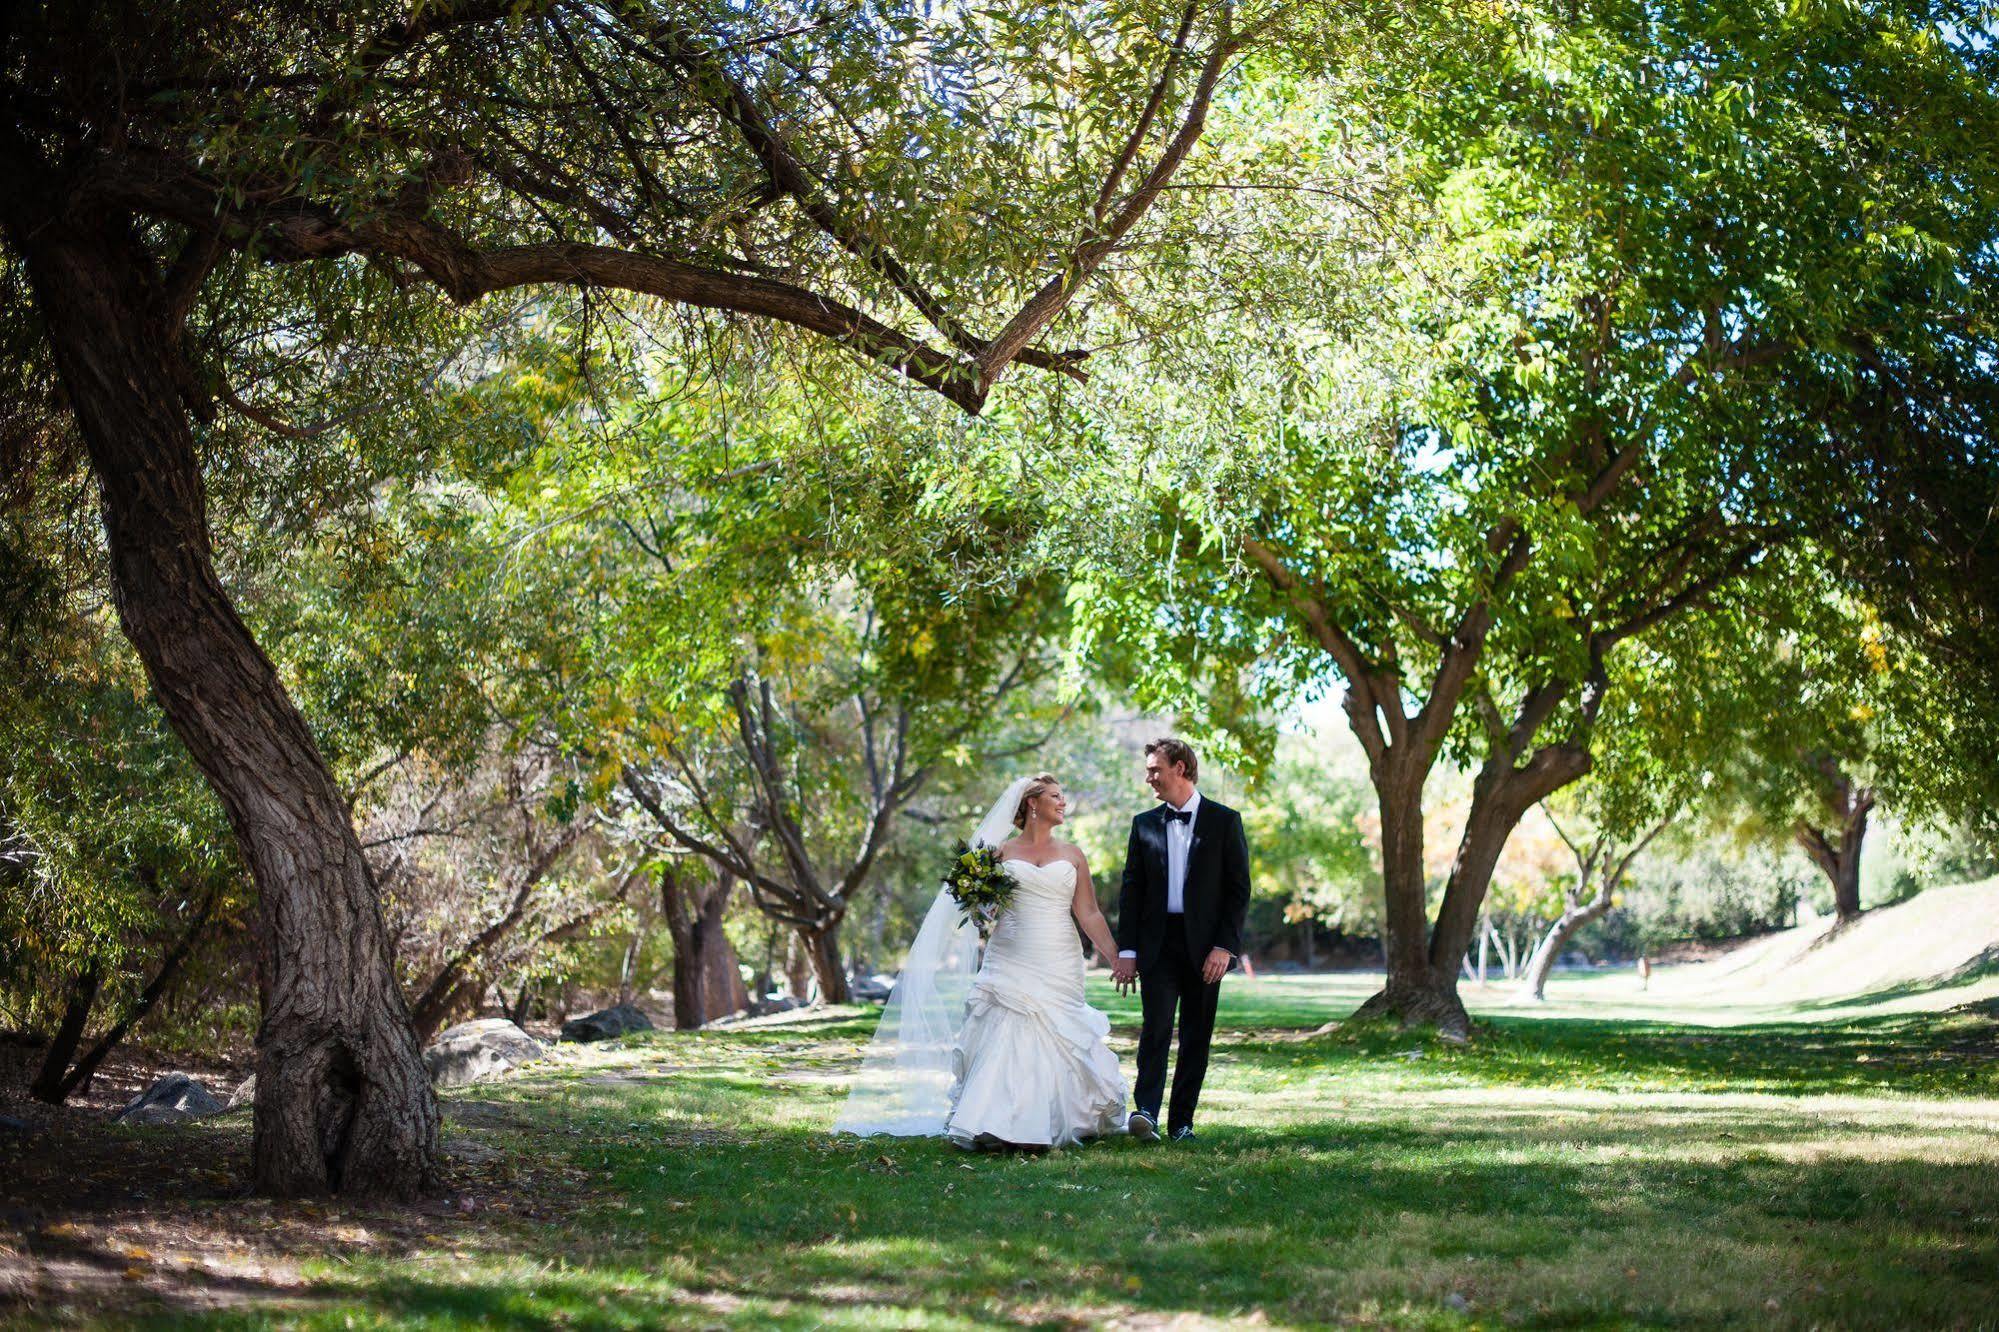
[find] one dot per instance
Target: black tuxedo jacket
(1216, 894)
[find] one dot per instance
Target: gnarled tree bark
(343, 1102)
(707, 981)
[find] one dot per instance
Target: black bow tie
(1179, 816)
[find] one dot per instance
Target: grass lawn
(1561, 1171)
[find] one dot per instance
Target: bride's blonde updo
(1037, 786)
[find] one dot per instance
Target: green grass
(1559, 1172)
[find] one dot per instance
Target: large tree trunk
(1838, 856)
(343, 1103)
(822, 953)
(1405, 905)
(707, 980)
(1410, 992)
(1501, 796)
(721, 972)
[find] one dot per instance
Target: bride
(1002, 1052)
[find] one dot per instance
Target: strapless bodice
(1057, 877)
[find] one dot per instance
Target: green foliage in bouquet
(980, 885)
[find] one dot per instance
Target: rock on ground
(612, 1022)
(171, 1100)
(473, 1051)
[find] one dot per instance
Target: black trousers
(1173, 985)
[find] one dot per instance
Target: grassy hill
(1935, 951)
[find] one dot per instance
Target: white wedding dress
(994, 1046)
(1031, 1066)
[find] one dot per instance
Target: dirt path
(99, 1221)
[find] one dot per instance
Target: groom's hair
(1171, 750)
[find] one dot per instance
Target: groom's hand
(1217, 965)
(1124, 972)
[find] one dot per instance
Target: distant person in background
(1644, 971)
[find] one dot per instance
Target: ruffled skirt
(1033, 1069)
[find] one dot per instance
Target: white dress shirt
(1179, 841)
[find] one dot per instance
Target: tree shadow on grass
(1938, 1054)
(1383, 1224)
(1567, 1210)
(714, 1195)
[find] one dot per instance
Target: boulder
(473, 1051)
(620, 1020)
(245, 1093)
(172, 1099)
(872, 989)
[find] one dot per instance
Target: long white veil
(904, 1086)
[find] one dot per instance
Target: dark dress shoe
(1141, 1126)
(1185, 1133)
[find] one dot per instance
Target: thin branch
(1090, 252)
(1736, 565)
(191, 267)
(1136, 138)
(735, 104)
(362, 782)
(279, 426)
(1329, 634)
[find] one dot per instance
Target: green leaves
(108, 835)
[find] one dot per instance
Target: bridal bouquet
(979, 884)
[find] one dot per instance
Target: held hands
(1124, 970)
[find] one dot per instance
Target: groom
(1179, 928)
